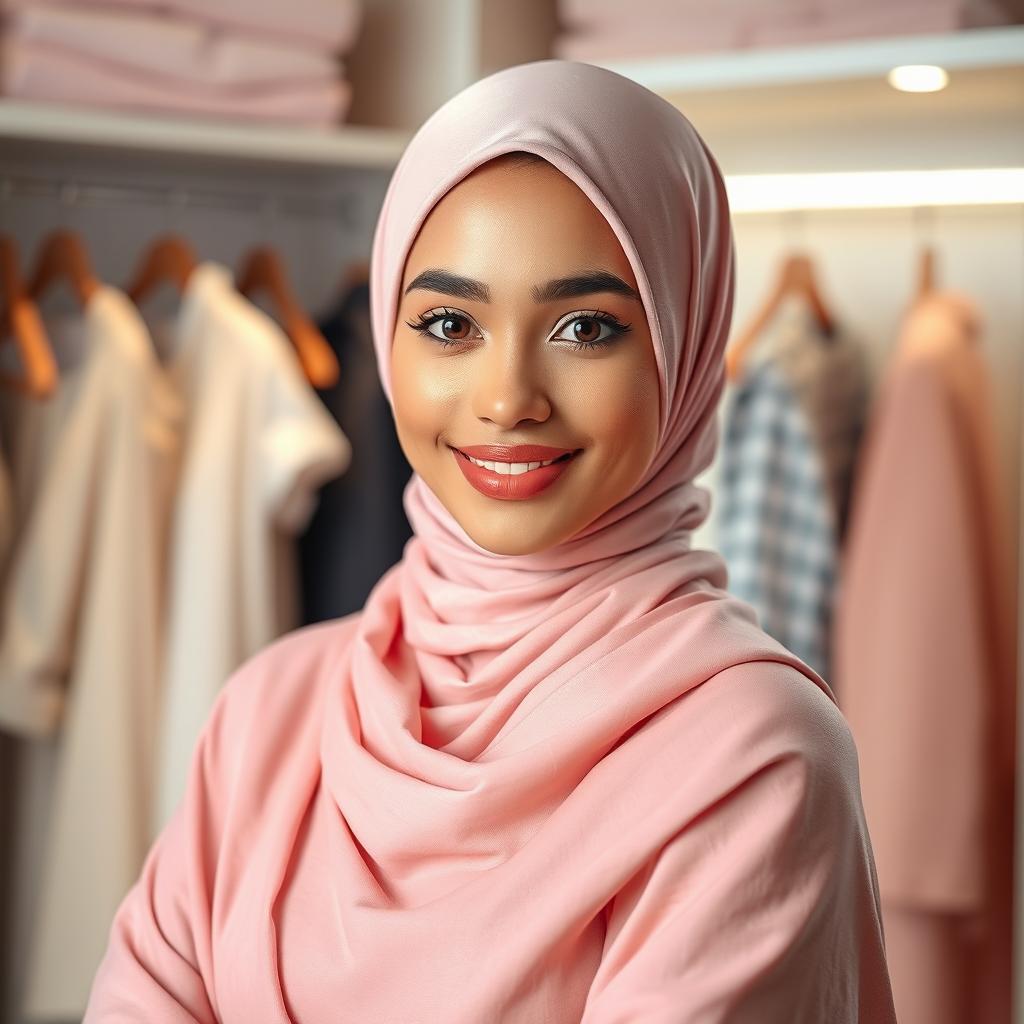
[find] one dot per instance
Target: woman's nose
(509, 385)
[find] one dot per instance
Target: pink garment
(327, 26)
(925, 667)
(37, 72)
(575, 785)
(171, 51)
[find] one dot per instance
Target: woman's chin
(507, 537)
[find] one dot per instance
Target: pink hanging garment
(924, 665)
(575, 785)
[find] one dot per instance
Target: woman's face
(520, 323)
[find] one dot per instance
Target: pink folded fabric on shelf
(876, 20)
(646, 40)
(1010, 7)
(608, 29)
(175, 48)
(331, 26)
(617, 13)
(32, 71)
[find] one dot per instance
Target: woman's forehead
(510, 231)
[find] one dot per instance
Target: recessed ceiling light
(918, 78)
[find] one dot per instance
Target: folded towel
(919, 16)
(328, 25)
(647, 39)
(33, 71)
(172, 48)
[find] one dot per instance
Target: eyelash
(618, 328)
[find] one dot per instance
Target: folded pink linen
(169, 50)
(331, 26)
(37, 72)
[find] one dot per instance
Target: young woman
(552, 772)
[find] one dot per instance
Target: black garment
(359, 528)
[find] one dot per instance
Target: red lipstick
(508, 486)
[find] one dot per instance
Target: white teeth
(509, 468)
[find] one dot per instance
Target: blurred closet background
(195, 455)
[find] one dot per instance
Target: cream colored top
(258, 445)
(90, 472)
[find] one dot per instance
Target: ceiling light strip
(766, 193)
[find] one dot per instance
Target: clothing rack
(92, 191)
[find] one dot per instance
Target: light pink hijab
(649, 173)
(580, 785)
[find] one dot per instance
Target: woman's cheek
(426, 392)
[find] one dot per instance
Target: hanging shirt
(91, 472)
(790, 429)
(830, 379)
(925, 662)
(776, 530)
(9, 751)
(258, 444)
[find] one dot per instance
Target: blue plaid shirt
(776, 526)
(792, 425)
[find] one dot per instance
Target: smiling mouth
(511, 467)
(512, 481)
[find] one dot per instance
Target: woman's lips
(513, 452)
(507, 486)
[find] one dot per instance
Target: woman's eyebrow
(436, 280)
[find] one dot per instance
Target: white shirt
(258, 445)
(91, 470)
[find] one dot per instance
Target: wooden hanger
(796, 278)
(64, 256)
(168, 258)
(22, 322)
(926, 274)
(262, 270)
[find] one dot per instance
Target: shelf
(344, 146)
(864, 58)
(828, 108)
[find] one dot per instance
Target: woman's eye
(452, 328)
(585, 331)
